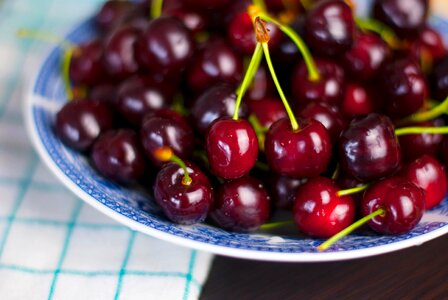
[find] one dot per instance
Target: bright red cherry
(358, 100)
(118, 155)
(86, 64)
(428, 174)
(402, 201)
(318, 209)
(267, 111)
(302, 154)
(232, 148)
(283, 190)
(241, 205)
(369, 149)
(329, 27)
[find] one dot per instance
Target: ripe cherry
(262, 85)
(118, 155)
(208, 4)
(320, 211)
(438, 79)
(241, 205)
(429, 47)
(79, 123)
(283, 190)
(267, 111)
(359, 100)
(86, 65)
(193, 20)
(106, 93)
(112, 13)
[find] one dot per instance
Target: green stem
(187, 179)
(386, 33)
(260, 131)
(248, 77)
(261, 165)
(433, 113)
(352, 190)
(274, 225)
(420, 130)
(45, 37)
(327, 244)
(292, 118)
(313, 71)
(68, 54)
(335, 174)
(260, 4)
(156, 8)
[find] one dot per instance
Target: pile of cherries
(230, 110)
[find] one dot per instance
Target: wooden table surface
(414, 273)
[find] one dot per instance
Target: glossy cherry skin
(79, 123)
(86, 65)
(118, 155)
(140, 95)
(301, 154)
(165, 47)
(403, 87)
(358, 100)
(241, 34)
(241, 205)
(119, 59)
(326, 114)
(319, 211)
(369, 149)
(183, 204)
(112, 13)
(216, 62)
(193, 20)
(368, 54)
(329, 89)
(428, 174)
(429, 46)
(406, 18)
(157, 132)
(438, 79)
(218, 101)
(283, 190)
(267, 111)
(330, 28)
(403, 201)
(232, 148)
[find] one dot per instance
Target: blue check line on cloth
(124, 264)
(190, 274)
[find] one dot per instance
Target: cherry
(428, 174)
(112, 13)
(401, 200)
(165, 47)
(158, 132)
(320, 211)
(368, 148)
(267, 111)
(329, 88)
(368, 54)
(329, 27)
(140, 95)
(208, 4)
(218, 101)
(216, 62)
(119, 58)
(118, 155)
(299, 153)
(326, 114)
(262, 85)
(403, 87)
(241, 205)
(438, 79)
(183, 191)
(428, 47)
(79, 123)
(358, 100)
(106, 93)
(194, 21)
(406, 18)
(283, 190)
(86, 66)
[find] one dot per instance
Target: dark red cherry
(267, 110)
(232, 148)
(208, 4)
(438, 79)
(283, 190)
(329, 27)
(429, 46)
(403, 202)
(119, 58)
(415, 145)
(216, 102)
(169, 114)
(329, 89)
(193, 20)
(368, 54)
(106, 93)
(319, 211)
(165, 47)
(368, 148)
(79, 123)
(404, 88)
(158, 132)
(140, 95)
(118, 155)
(262, 85)
(183, 204)
(406, 18)
(217, 62)
(358, 100)
(326, 114)
(86, 65)
(428, 174)
(112, 13)
(241, 34)
(241, 205)
(301, 154)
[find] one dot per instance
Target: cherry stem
(433, 113)
(260, 4)
(335, 174)
(248, 77)
(420, 130)
(328, 243)
(165, 154)
(386, 33)
(274, 225)
(313, 71)
(67, 58)
(156, 8)
(260, 131)
(352, 190)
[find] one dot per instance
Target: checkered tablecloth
(52, 245)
